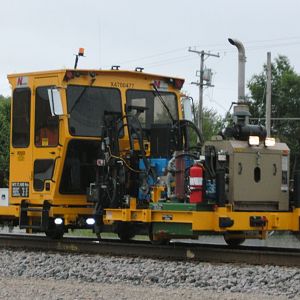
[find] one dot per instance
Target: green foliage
(212, 124)
(4, 140)
(285, 102)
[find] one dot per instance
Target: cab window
(21, 118)
(43, 170)
(89, 107)
(46, 125)
(154, 110)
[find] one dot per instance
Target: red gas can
(196, 183)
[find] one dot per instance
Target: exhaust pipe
(241, 69)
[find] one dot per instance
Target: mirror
(187, 109)
(55, 102)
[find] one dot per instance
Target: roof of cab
(97, 72)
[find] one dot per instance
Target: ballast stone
(140, 272)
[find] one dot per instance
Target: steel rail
(175, 251)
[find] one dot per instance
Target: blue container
(159, 164)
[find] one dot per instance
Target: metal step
(24, 219)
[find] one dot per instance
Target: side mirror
(55, 102)
(187, 109)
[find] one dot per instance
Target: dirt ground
(23, 288)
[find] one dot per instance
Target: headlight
(58, 221)
(90, 221)
(269, 142)
(253, 140)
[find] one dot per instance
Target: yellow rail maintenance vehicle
(110, 150)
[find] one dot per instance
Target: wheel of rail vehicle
(55, 233)
(125, 231)
(234, 238)
(157, 240)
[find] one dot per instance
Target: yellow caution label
(45, 142)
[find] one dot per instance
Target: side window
(43, 170)
(21, 118)
(46, 125)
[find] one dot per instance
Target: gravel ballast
(73, 276)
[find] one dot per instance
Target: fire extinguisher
(196, 183)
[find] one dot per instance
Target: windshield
(88, 106)
(155, 112)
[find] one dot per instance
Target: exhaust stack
(241, 69)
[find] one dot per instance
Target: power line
(170, 60)
(215, 47)
(277, 119)
(154, 55)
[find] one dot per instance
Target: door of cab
(21, 141)
(46, 147)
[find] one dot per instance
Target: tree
(285, 103)
(4, 140)
(212, 124)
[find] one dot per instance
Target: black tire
(233, 241)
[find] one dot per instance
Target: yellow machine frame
(208, 220)
(70, 207)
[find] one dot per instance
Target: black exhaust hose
(297, 189)
(220, 187)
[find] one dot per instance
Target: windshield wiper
(78, 99)
(163, 103)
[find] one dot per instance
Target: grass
(104, 235)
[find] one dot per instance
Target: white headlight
(90, 221)
(253, 140)
(58, 221)
(269, 142)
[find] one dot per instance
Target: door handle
(240, 168)
(54, 167)
(274, 169)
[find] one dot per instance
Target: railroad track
(174, 251)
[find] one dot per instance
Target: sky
(45, 35)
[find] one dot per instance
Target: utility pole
(202, 54)
(268, 95)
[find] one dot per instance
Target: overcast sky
(43, 34)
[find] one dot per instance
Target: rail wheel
(234, 238)
(55, 234)
(125, 231)
(157, 240)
